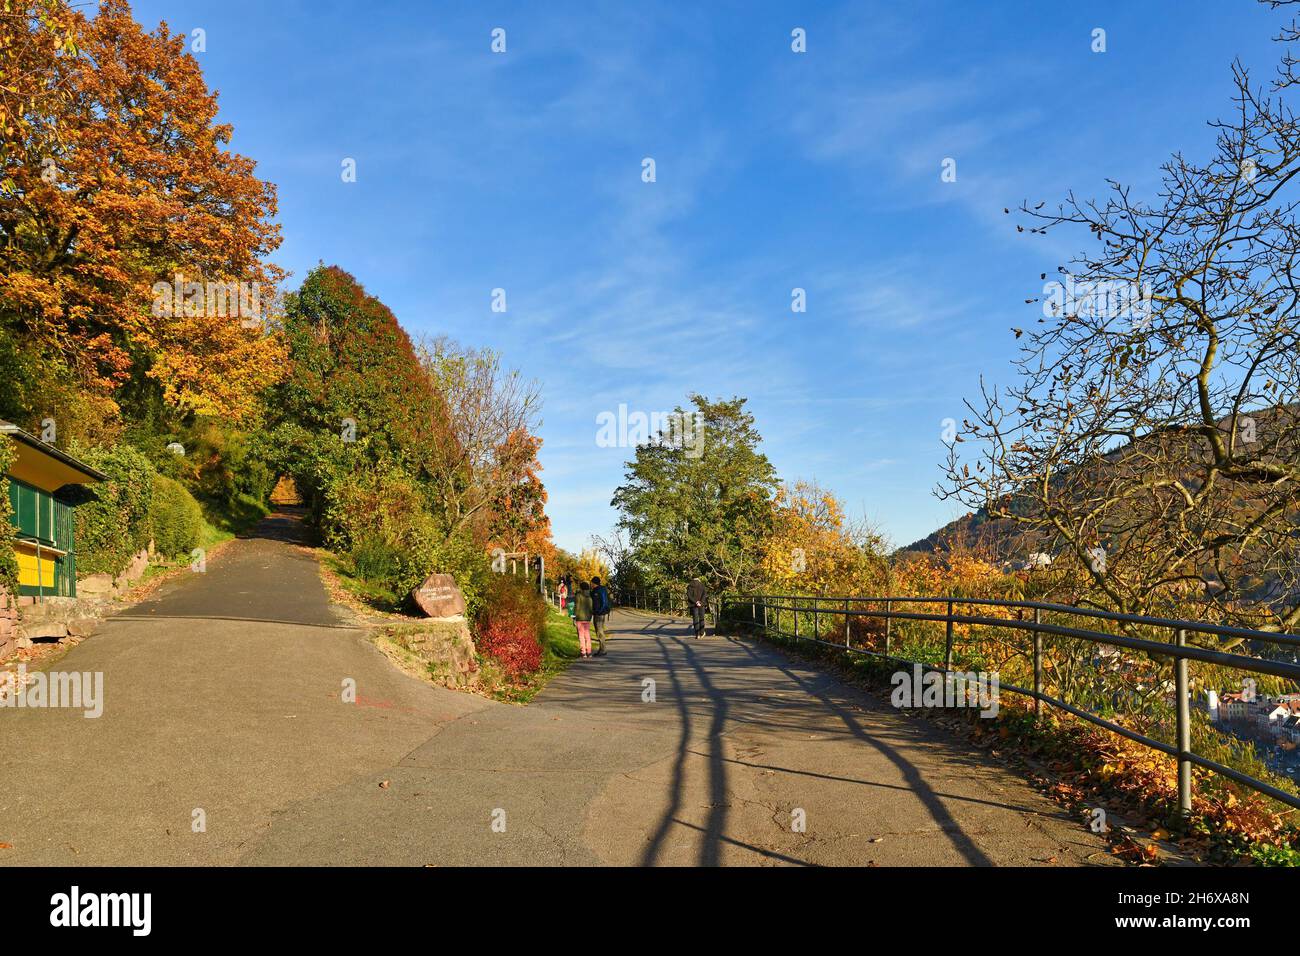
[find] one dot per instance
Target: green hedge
(379, 516)
(113, 523)
(8, 562)
(175, 518)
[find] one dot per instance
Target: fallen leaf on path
(6, 846)
(383, 785)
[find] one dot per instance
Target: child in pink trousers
(582, 614)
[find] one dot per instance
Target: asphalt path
(226, 739)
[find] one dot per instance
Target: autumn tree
(616, 551)
(116, 176)
(355, 391)
(1151, 442)
(29, 32)
(490, 466)
(814, 548)
(590, 565)
(583, 566)
(516, 518)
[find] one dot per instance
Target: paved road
(209, 707)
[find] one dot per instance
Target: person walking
(600, 606)
(582, 614)
(697, 599)
(562, 591)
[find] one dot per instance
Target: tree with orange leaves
(488, 467)
(116, 178)
(28, 34)
(516, 519)
(813, 548)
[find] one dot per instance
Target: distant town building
(1232, 707)
(1290, 729)
(1275, 719)
(1035, 562)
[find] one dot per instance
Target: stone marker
(438, 596)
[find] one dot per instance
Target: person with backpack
(582, 614)
(601, 606)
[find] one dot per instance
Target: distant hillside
(1009, 541)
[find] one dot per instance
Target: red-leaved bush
(510, 623)
(513, 644)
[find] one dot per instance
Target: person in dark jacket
(600, 606)
(697, 599)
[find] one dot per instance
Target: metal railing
(1177, 649)
(663, 602)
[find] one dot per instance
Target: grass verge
(362, 594)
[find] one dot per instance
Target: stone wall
(443, 646)
(26, 619)
(8, 624)
(109, 585)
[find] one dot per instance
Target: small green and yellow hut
(40, 479)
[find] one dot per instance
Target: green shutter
(24, 508)
(33, 512)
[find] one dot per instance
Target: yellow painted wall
(27, 568)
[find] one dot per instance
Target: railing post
(764, 613)
(794, 603)
(847, 624)
(947, 643)
(816, 629)
(1183, 727)
(889, 623)
(1038, 665)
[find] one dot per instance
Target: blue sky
(775, 170)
